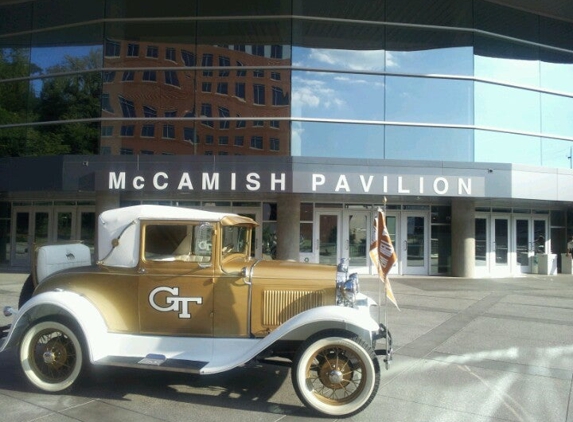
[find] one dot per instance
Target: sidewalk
(471, 350)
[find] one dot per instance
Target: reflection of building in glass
(209, 100)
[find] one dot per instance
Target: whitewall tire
(51, 356)
(336, 375)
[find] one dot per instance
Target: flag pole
(387, 360)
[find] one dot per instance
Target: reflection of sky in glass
(48, 57)
(324, 58)
(416, 143)
(366, 97)
(507, 108)
(337, 140)
(557, 76)
(556, 153)
(442, 61)
(429, 100)
(493, 147)
(557, 115)
(337, 96)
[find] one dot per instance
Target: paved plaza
(466, 350)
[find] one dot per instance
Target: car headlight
(348, 290)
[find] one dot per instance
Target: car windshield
(234, 240)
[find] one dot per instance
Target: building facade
(454, 115)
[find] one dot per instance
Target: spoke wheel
(51, 356)
(336, 375)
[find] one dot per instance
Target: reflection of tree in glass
(68, 97)
(72, 97)
(14, 63)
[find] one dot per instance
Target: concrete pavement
(466, 350)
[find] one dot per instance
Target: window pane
(50, 13)
(335, 45)
(557, 71)
(507, 108)
(436, 12)
(311, 139)
(262, 34)
(419, 143)
(428, 100)
(503, 147)
(152, 9)
(506, 61)
(557, 115)
(429, 51)
(556, 153)
(441, 250)
(335, 95)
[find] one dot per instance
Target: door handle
(405, 245)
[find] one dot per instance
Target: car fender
(60, 304)
(299, 328)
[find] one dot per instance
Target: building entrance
(347, 234)
(509, 244)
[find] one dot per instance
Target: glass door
(482, 250)
(31, 228)
(500, 264)
(356, 229)
(414, 244)
(530, 239)
(327, 237)
(523, 244)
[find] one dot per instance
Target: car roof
(118, 229)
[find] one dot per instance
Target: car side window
(171, 242)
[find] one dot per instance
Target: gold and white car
(176, 289)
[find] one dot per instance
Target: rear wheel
(336, 375)
(51, 356)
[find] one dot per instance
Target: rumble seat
(53, 258)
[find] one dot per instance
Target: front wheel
(51, 356)
(336, 375)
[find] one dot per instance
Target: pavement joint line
(456, 323)
(569, 410)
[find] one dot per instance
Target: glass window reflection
(557, 115)
(311, 139)
(339, 59)
(496, 147)
(429, 51)
(337, 95)
(557, 71)
(429, 100)
(424, 143)
(507, 108)
(505, 61)
(556, 153)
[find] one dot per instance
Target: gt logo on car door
(174, 302)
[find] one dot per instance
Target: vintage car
(177, 289)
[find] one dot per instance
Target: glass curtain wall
(453, 80)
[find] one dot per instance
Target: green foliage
(60, 98)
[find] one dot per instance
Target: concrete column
(463, 238)
(288, 226)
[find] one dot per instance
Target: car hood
(291, 270)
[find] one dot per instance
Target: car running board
(154, 361)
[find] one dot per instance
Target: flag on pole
(382, 252)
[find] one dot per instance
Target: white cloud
(314, 93)
(362, 60)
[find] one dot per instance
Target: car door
(176, 279)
